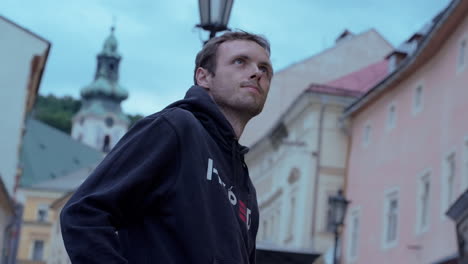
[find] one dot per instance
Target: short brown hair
(206, 58)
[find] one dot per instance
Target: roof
(440, 29)
(332, 90)
(364, 79)
(67, 182)
(48, 153)
(105, 87)
(60, 202)
(25, 30)
(110, 46)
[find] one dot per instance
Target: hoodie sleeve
(252, 257)
(139, 170)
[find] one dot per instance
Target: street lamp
(338, 206)
(214, 15)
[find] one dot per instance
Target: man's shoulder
(178, 117)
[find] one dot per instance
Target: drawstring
(233, 161)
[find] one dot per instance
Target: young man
(176, 189)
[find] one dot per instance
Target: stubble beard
(240, 107)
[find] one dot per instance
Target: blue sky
(158, 40)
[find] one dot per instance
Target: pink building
(408, 157)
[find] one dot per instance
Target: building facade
(37, 220)
(302, 162)
(409, 151)
(20, 75)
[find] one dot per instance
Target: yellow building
(36, 224)
(41, 238)
(58, 254)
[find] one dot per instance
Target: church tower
(100, 123)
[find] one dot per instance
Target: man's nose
(257, 73)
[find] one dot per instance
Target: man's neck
(238, 122)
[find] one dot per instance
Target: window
(465, 165)
(449, 180)
(106, 144)
(271, 233)
(353, 236)
(461, 54)
(392, 221)
(391, 211)
(38, 250)
(329, 224)
(391, 118)
(42, 212)
(423, 202)
(292, 214)
(329, 221)
(265, 230)
(367, 134)
(417, 99)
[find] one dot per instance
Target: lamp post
(338, 205)
(214, 15)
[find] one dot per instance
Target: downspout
(346, 130)
(318, 153)
(11, 237)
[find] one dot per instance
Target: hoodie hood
(200, 103)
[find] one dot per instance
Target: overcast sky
(158, 40)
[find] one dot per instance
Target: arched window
(106, 144)
(293, 175)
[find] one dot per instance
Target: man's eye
(238, 61)
(264, 69)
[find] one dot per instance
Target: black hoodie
(175, 189)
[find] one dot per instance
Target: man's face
(242, 77)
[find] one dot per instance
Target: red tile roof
(364, 79)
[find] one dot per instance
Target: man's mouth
(252, 86)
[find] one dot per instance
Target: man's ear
(203, 77)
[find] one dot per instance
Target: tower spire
(100, 123)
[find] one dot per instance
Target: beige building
(301, 162)
(58, 254)
(297, 167)
(41, 239)
(36, 225)
(349, 54)
(23, 57)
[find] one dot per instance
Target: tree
(59, 111)
(56, 111)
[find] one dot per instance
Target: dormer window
(367, 135)
(418, 99)
(391, 119)
(461, 54)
